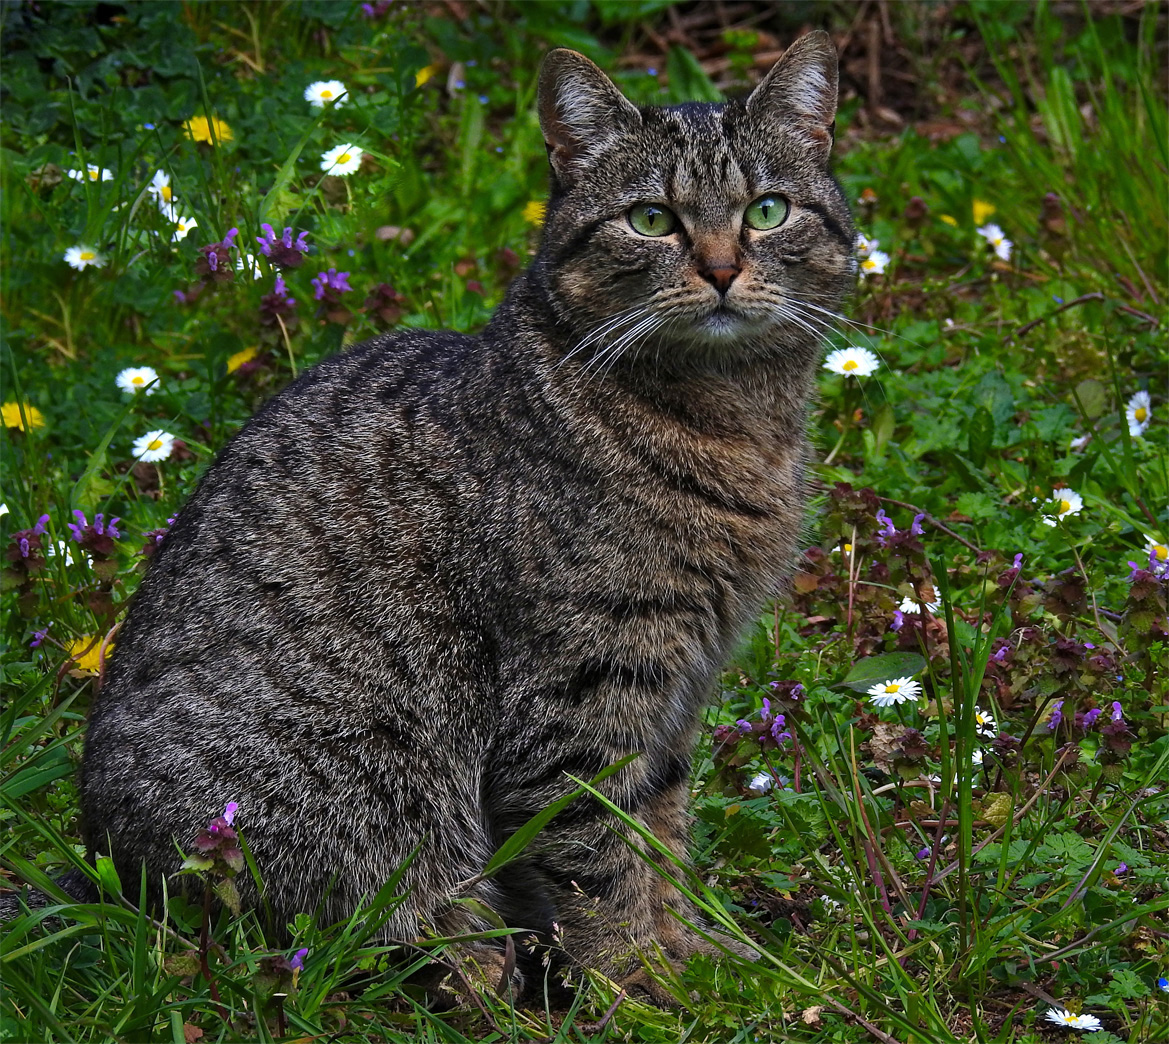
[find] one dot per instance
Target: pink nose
(720, 276)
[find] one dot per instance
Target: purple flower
(279, 307)
(1001, 654)
(898, 620)
(282, 251)
(297, 961)
(1117, 713)
(922, 853)
(330, 280)
(230, 811)
(1056, 715)
(1090, 717)
(39, 636)
(42, 523)
(216, 259)
(744, 725)
(1122, 868)
(1018, 562)
(915, 528)
(887, 527)
(97, 538)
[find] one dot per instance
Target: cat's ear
(800, 90)
(580, 109)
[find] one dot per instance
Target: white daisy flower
(761, 783)
(92, 173)
(1138, 413)
(3, 510)
(995, 237)
(865, 246)
(1062, 1017)
(135, 378)
(154, 445)
(61, 547)
(852, 362)
(976, 757)
(897, 690)
(324, 92)
(985, 725)
(160, 189)
(874, 263)
(249, 263)
(1157, 549)
(1079, 442)
(82, 257)
(342, 161)
(1067, 502)
(183, 225)
(912, 605)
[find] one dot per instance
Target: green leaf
(107, 875)
(688, 80)
(979, 435)
(875, 669)
(1092, 397)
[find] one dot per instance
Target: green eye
(767, 212)
(651, 220)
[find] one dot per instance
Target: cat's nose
(720, 276)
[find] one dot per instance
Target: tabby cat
(439, 573)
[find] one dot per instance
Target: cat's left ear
(580, 110)
(801, 90)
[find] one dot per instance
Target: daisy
(21, 415)
(875, 263)
(1157, 550)
(160, 189)
(135, 378)
(984, 725)
(911, 605)
(82, 257)
(63, 549)
(183, 225)
(1062, 1017)
(1067, 502)
(994, 236)
(976, 757)
(1079, 442)
(249, 263)
(321, 93)
(342, 160)
(852, 362)
(1138, 413)
(897, 690)
(154, 446)
(197, 128)
(92, 173)
(865, 246)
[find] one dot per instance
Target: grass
(913, 873)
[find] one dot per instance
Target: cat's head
(704, 230)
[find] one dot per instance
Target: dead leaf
(811, 1016)
(191, 1033)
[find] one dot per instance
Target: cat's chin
(722, 328)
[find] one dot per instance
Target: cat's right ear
(580, 111)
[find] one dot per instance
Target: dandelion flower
(183, 225)
(153, 446)
(1067, 502)
(1138, 413)
(995, 237)
(215, 131)
(342, 161)
(875, 263)
(234, 362)
(92, 173)
(86, 653)
(324, 92)
(1061, 1017)
(135, 378)
(424, 74)
(898, 690)
(852, 362)
(160, 189)
(982, 210)
(22, 415)
(535, 211)
(948, 220)
(82, 257)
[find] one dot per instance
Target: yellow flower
(237, 360)
(13, 419)
(198, 129)
(948, 220)
(86, 653)
(982, 210)
(424, 74)
(534, 211)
